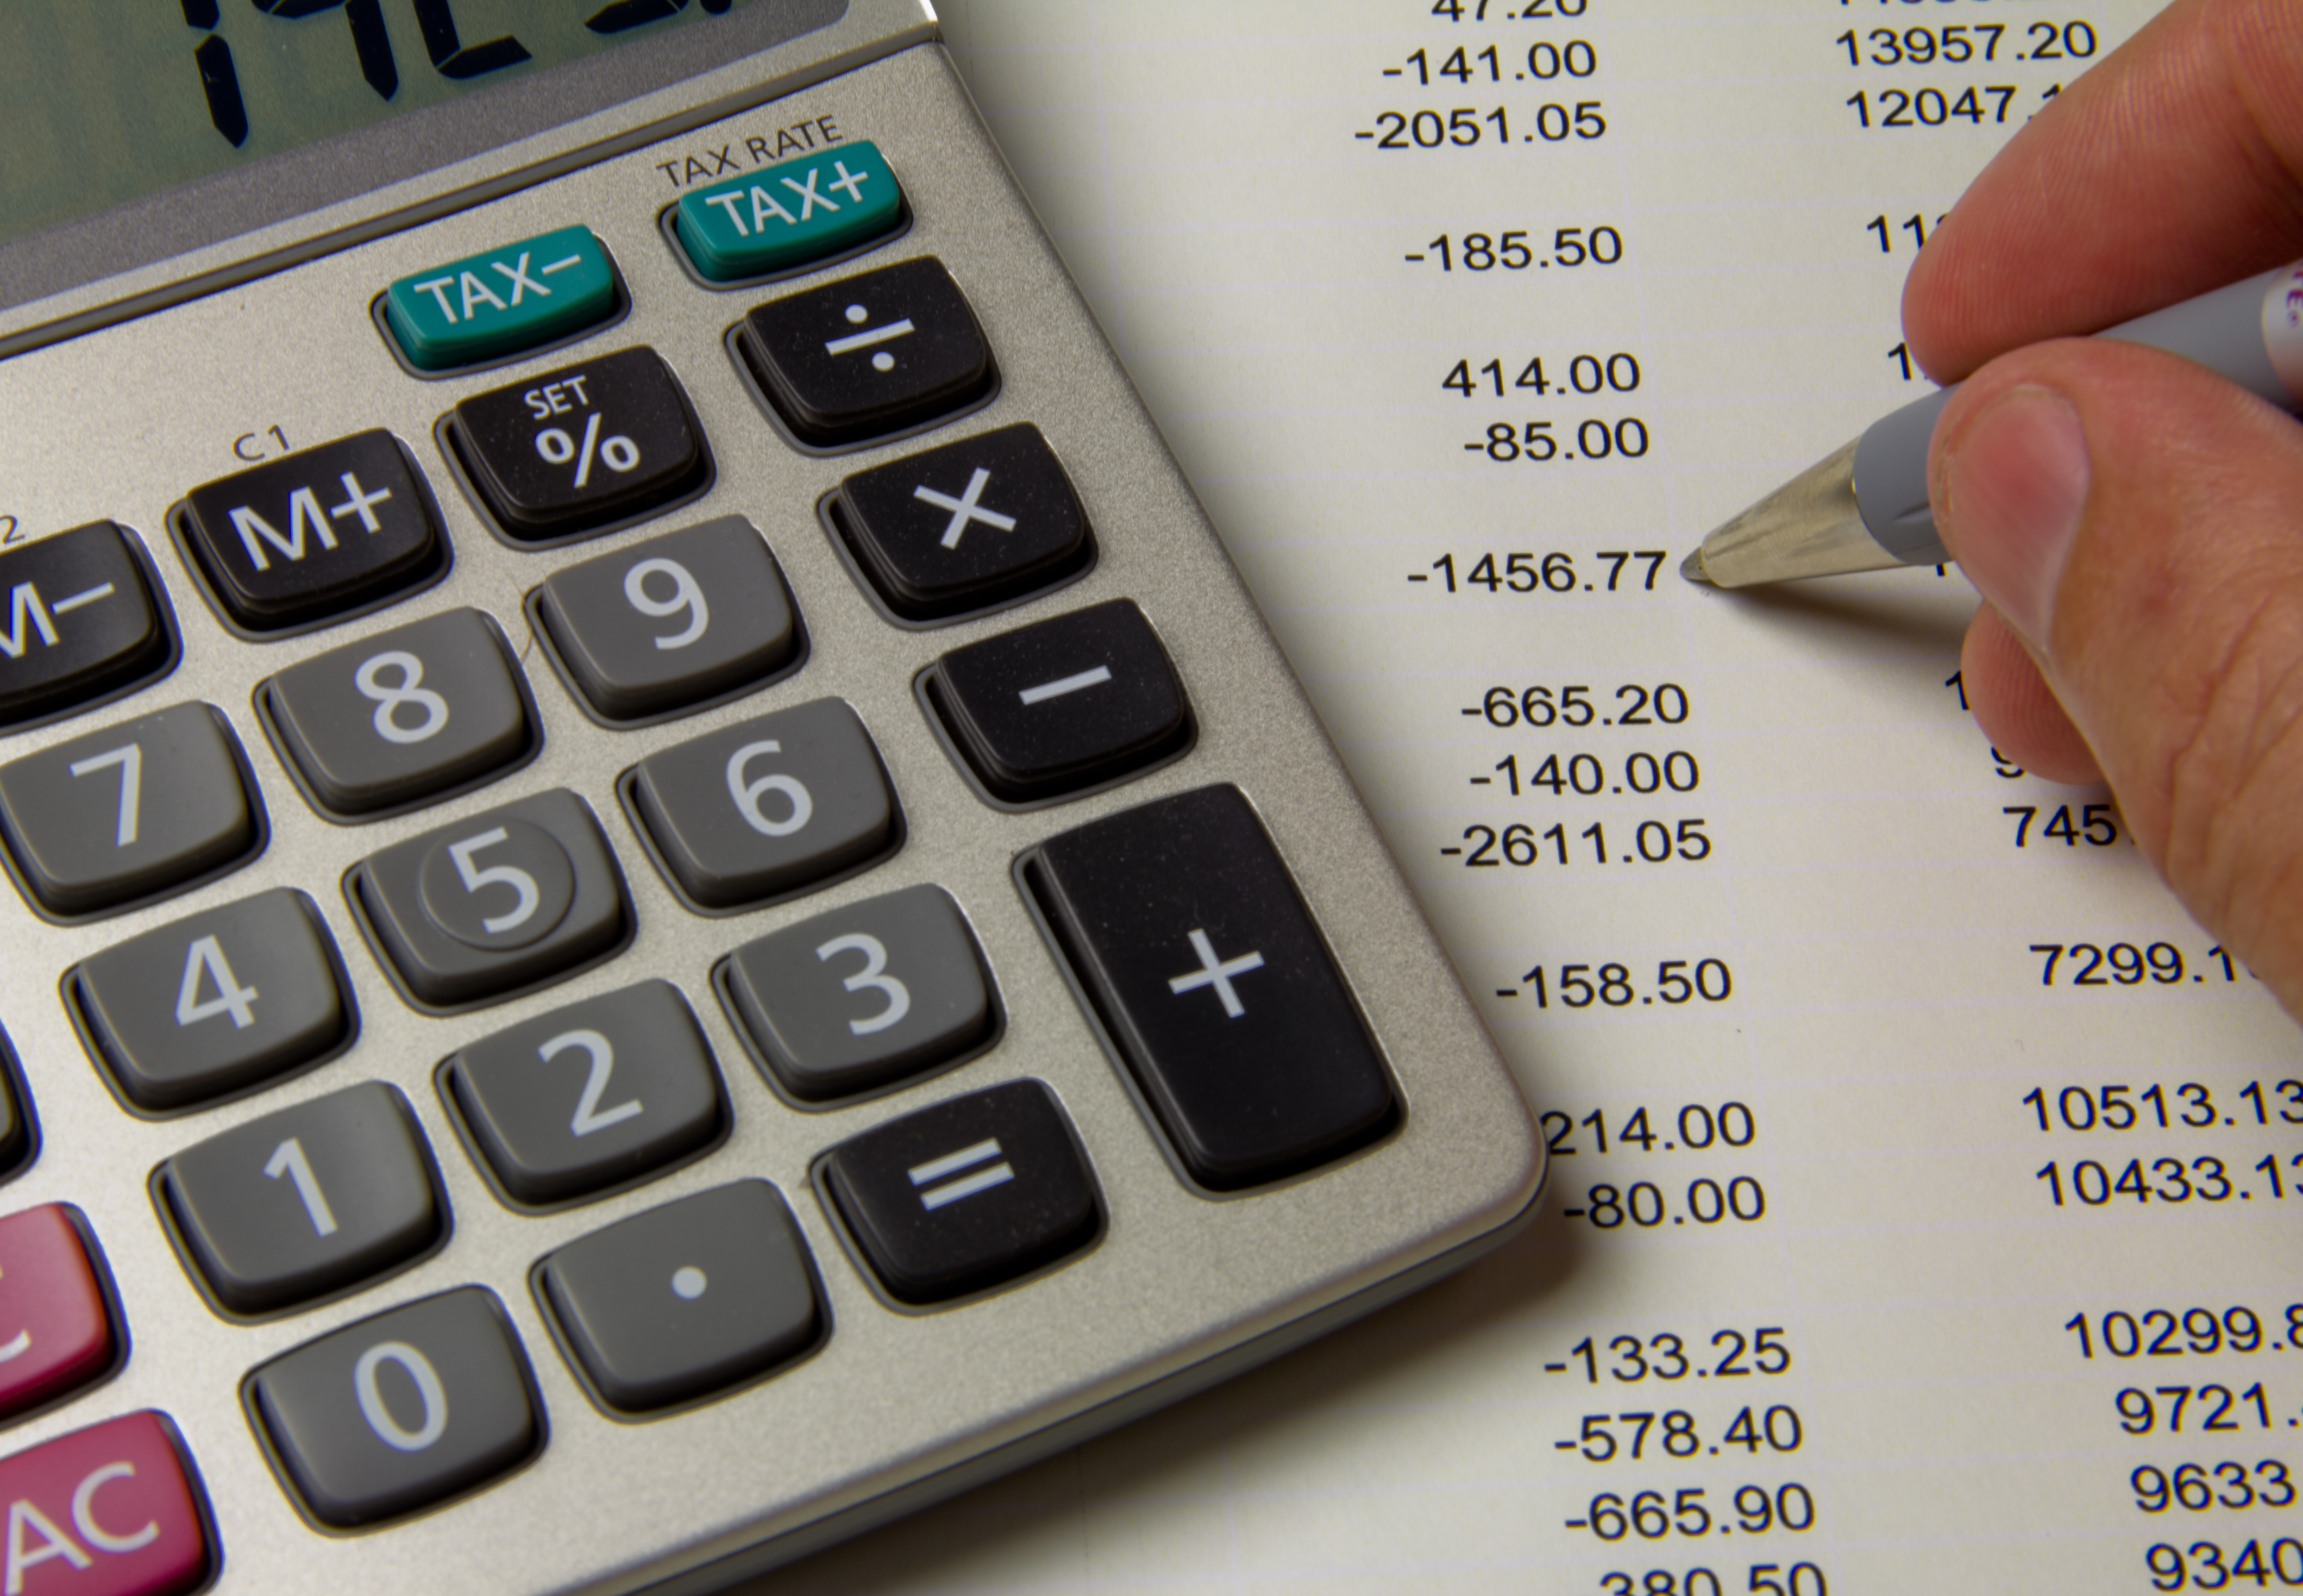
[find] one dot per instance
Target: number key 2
(594, 1096)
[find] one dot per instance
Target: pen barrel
(2250, 333)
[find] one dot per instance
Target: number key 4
(216, 1003)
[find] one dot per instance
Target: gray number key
(305, 1202)
(672, 623)
(686, 1299)
(405, 717)
(595, 1094)
(863, 996)
(129, 813)
(764, 809)
(496, 904)
(215, 1002)
(399, 1411)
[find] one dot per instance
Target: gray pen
(1864, 507)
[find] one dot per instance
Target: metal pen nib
(1810, 526)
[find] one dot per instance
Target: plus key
(1255, 1063)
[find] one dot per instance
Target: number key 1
(303, 1203)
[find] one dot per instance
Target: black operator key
(1211, 980)
(583, 449)
(975, 524)
(867, 356)
(314, 536)
(1063, 705)
(77, 623)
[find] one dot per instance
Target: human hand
(2134, 522)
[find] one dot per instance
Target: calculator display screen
(106, 101)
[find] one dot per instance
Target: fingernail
(2015, 484)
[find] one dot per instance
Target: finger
(2015, 707)
(2172, 166)
(2139, 521)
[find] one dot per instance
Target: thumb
(2138, 522)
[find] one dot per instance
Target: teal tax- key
(501, 301)
(787, 215)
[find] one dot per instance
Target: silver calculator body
(197, 335)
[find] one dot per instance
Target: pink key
(55, 1333)
(110, 1510)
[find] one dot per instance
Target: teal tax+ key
(501, 301)
(789, 215)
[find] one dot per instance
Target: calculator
(664, 897)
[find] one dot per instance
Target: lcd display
(109, 100)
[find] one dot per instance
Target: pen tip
(1691, 568)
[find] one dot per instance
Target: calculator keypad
(686, 1299)
(56, 1333)
(965, 527)
(1065, 704)
(82, 622)
(124, 1496)
(863, 996)
(402, 717)
(305, 1202)
(588, 1097)
(399, 1411)
(494, 903)
(571, 452)
(128, 813)
(313, 536)
(285, 1208)
(868, 356)
(671, 622)
(967, 1195)
(214, 1003)
(766, 808)
(1196, 951)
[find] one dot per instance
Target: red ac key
(110, 1510)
